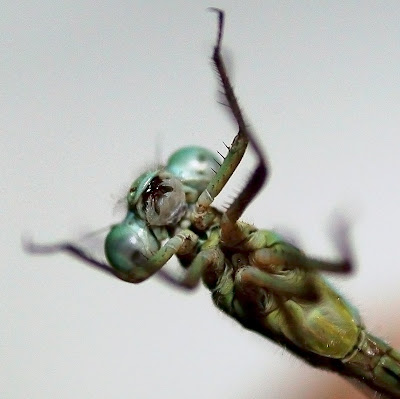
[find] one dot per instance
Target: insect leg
(299, 286)
(68, 247)
(203, 214)
(212, 259)
(293, 260)
(182, 243)
(260, 173)
(267, 248)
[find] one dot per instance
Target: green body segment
(325, 331)
(194, 166)
(329, 329)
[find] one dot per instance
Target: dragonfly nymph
(255, 276)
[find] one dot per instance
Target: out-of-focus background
(93, 93)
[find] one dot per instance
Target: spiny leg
(260, 173)
(233, 233)
(203, 213)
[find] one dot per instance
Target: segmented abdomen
(376, 364)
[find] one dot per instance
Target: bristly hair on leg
(261, 172)
(220, 155)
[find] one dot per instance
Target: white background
(90, 90)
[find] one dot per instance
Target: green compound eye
(193, 166)
(138, 186)
(129, 244)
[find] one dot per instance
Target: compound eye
(193, 166)
(129, 245)
(138, 186)
(163, 202)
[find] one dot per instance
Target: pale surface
(91, 89)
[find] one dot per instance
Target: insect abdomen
(376, 364)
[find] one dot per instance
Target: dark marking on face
(154, 191)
